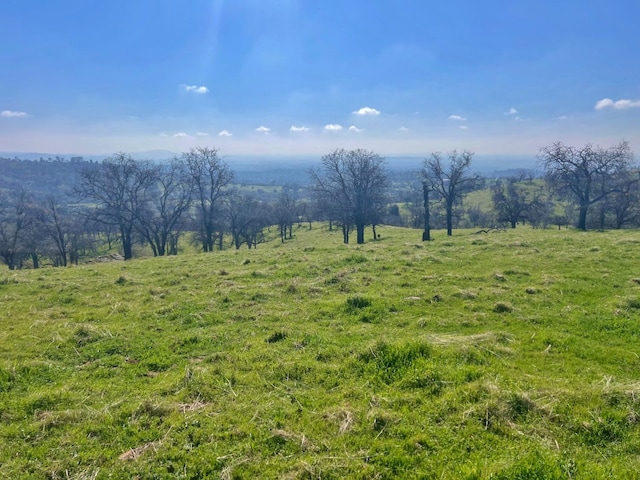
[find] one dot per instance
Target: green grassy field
(506, 355)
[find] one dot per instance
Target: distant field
(514, 354)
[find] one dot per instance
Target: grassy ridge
(507, 355)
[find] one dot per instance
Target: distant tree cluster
(123, 203)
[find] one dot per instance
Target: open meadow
(510, 354)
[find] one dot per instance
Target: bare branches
(350, 186)
(587, 174)
(449, 178)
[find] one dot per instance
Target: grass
(506, 355)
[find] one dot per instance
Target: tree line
(124, 202)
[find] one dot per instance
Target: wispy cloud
(333, 127)
(202, 134)
(512, 111)
(367, 111)
(195, 89)
(463, 127)
(12, 114)
(622, 104)
(299, 129)
(353, 128)
(263, 129)
(403, 129)
(225, 133)
(457, 118)
(180, 134)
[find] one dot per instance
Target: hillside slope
(507, 355)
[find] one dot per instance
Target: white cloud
(617, 105)
(463, 127)
(367, 111)
(225, 133)
(299, 129)
(512, 111)
(353, 128)
(202, 134)
(195, 89)
(180, 134)
(12, 114)
(403, 129)
(263, 129)
(333, 127)
(457, 118)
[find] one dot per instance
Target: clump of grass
(83, 336)
(122, 280)
(531, 290)
(355, 259)
(276, 337)
(499, 277)
(517, 272)
(520, 405)
(246, 261)
(503, 307)
(633, 303)
(357, 302)
(467, 294)
(391, 361)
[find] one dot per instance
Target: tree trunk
(426, 234)
(360, 234)
(127, 247)
(582, 217)
(345, 233)
(449, 220)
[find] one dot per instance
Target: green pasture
(508, 355)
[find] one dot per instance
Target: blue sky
(302, 77)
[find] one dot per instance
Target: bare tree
(210, 176)
(54, 220)
(286, 212)
(246, 218)
(159, 219)
(450, 180)
(16, 217)
(587, 174)
(513, 201)
(351, 185)
(118, 187)
(625, 205)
